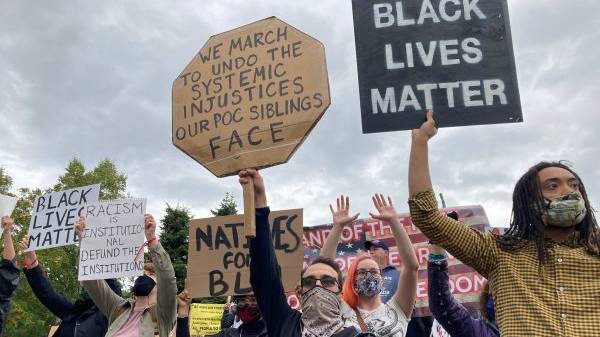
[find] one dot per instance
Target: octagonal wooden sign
(250, 97)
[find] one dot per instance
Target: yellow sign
(205, 319)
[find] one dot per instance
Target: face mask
(489, 309)
(321, 315)
(248, 313)
(565, 211)
(143, 286)
(368, 285)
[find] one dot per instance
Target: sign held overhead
(451, 56)
(250, 97)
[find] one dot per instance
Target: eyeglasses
(363, 272)
(310, 282)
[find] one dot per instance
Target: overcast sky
(93, 80)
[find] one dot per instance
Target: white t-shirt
(386, 321)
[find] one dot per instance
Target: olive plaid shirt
(560, 299)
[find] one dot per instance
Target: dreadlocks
(526, 222)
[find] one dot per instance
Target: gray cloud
(94, 80)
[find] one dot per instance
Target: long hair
(348, 294)
(526, 222)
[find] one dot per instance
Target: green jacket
(118, 309)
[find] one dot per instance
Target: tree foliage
(226, 207)
(174, 238)
(28, 316)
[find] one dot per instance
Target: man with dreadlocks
(545, 270)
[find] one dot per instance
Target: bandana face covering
(321, 316)
(565, 211)
(248, 313)
(368, 285)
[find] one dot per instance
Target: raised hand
(30, 258)
(80, 228)
(149, 226)
(7, 224)
(427, 129)
(341, 216)
(260, 196)
(386, 209)
(183, 303)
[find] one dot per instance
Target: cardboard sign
(56, 214)
(205, 319)
(7, 204)
(113, 235)
(465, 283)
(219, 256)
(454, 57)
(250, 97)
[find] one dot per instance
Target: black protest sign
(219, 256)
(113, 236)
(55, 215)
(451, 56)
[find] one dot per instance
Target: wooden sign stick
(249, 210)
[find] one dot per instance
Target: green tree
(226, 207)
(174, 238)
(28, 316)
(5, 182)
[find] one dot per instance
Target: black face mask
(143, 286)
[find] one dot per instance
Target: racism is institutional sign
(451, 56)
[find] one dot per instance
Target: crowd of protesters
(543, 273)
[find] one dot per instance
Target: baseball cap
(376, 244)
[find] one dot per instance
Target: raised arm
(59, 305)
(264, 268)
(9, 273)
(468, 245)
(105, 299)
(183, 309)
(452, 315)
(9, 248)
(341, 218)
(407, 282)
(166, 283)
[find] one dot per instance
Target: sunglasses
(310, 282)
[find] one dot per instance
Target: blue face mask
(368, 285)
(489, 309)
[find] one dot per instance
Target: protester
(362, 288)
(9, 273)
(380, 252)
(78, 319)
(183, 311)
(452, 315)
(545, 270)
(155, 295)
(320, 286)
(230, 318)
(252, 323)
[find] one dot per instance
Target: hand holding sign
(29, 257)
(427, 129)
(252, 176)
(80, 228)
(183, 303)
(7, 225)
(150, 230)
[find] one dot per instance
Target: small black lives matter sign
(452, 56)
